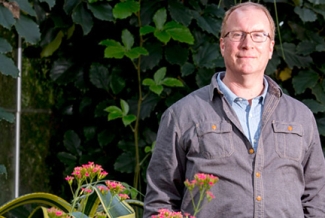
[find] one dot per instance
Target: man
(262, 144)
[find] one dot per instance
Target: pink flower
(114, 187)
(69, 179)
(102, 175)
(209, 195)
(87, 190)
(165, 213)
(102, 189)
(123, 196)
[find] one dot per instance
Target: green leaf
(181, 35)
(99, 76)
(114, 115)
(28, 29)
(136, 52)
(160, 18)
(306, 47)
(291, 58)
(5, 115)
(115, 50)
(113, 205)
(82, 17)
(180, 13)
(70, 5)
(127, 39)
(26, 7)
(105, 137)
(89, 132)
(117, 83)
(207, 55)
(318, 91)
(187, 69)
(172, 82)
(78, 214)
(114, 109)
(146, 29)
(147, 149)
(305, 79)
(59, 69)
(110, 42)
(53, 46)
(125, 9)
(314, 106)
(156, 89)
(72, 142)
(159, 75)
(36, 198)
(67, 158)
(50, 3)
(7, 20)
(125, 162)
(305, 14)
(102, 11)
(7, 66)
(208, 24)
(128, 119)
(148, 105)
(148, 82)
(124, 106)
(155, 55)
(317, 2)
(162, 36)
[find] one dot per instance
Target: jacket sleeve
(313, 199)
(165, 173)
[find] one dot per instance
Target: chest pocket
(215, 139)
(288, 139)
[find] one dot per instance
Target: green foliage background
(115, 66)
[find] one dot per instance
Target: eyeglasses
(256, 36)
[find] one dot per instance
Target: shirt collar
(231, 97)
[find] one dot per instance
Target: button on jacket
(284, 177)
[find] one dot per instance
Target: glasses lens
(258, 36)
(237, 36)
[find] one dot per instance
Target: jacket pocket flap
(210, 127)
(281, 127)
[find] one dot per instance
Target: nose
(247, 41)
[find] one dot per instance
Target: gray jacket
(285, 177)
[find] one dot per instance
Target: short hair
(249, 4)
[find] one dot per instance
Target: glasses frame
(247, 33)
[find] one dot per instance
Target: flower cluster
(87, 172)
(165, 213)
(203, 182)
(87, 178)
(54, 213)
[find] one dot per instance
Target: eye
(258, 35)
(237, 34)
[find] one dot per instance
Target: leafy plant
(93, 197)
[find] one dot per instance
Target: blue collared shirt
(248, 115)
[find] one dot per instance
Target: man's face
(246, 56)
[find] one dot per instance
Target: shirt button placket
(258, 183)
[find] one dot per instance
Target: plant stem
(136, 127)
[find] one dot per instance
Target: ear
(222, 46)
(271, 49)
